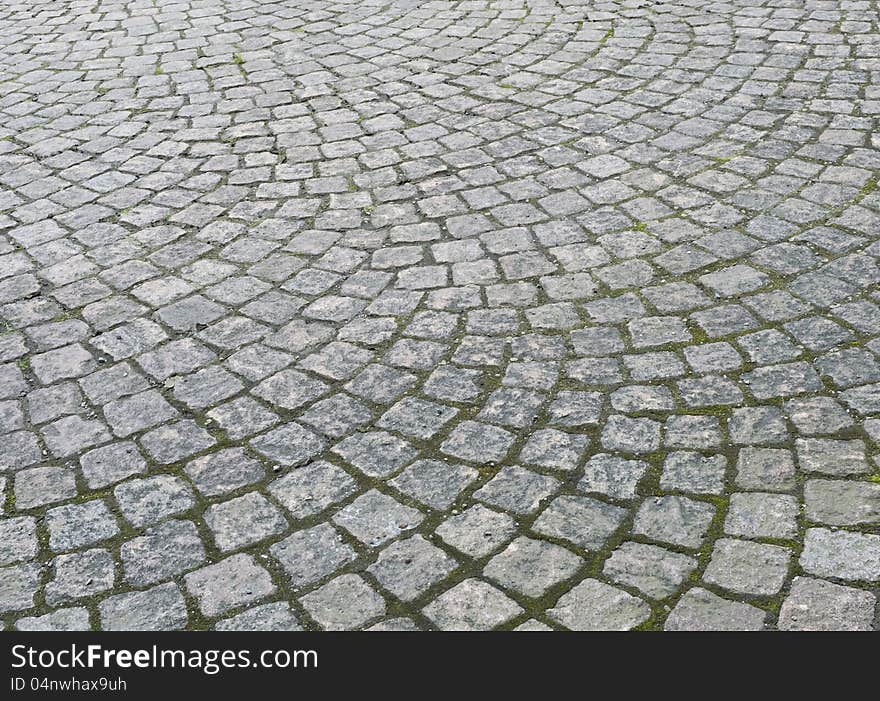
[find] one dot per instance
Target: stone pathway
(430, 314)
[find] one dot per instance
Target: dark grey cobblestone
(454, 315)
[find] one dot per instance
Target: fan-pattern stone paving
(516, 314)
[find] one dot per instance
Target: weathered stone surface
(744, 567)
(814, 604)
(699, 609)
(655, 571)
(841, 554)
(344, 603)
(230, 583)
(531, 567)
(159, 608)
(592, 605)
(471, 605)
(420, 315)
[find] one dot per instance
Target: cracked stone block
(311, 489)
(344, 603)
(111, 463)
(517, 489)
(164, 551)
(434, 483)
(471, 605)
(75, 525)
(73, 434)
(310, 555)
(674, 520)
(612, 476)
(139, 412)
(18, 540)
(72, 619)
(587, 523)
(159, 608)
(477, 442)
(408, 568)
(172, 442)
(374, 518)
(814, 604)
(38, 486)
(766, 469)
(686, 471)
(18, 586)
(242, 417)
(228, 584)
(377, 453)
(762, 515)
(699, 609)
(243, 521)
(593, 605)
(290, 444)
(148, 500)
(757, 426)
(477, 531)
(554, 449)
(79, 575)
(744, 567)
(626, 435)
(832, 457)
(19, 449)
(657, 572)
(417, 418)
(531, 567)
(275, 617)
(841, 554)
(842, 503)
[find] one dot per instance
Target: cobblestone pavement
(434, 314)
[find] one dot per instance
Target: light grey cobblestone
(449, 315)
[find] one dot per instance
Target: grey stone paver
(448, 315)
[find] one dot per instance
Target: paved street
(425, 314)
